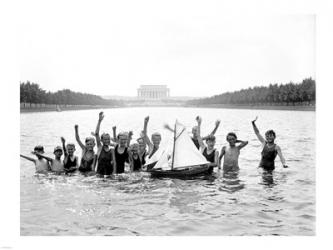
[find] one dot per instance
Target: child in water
(195, 133)
(209, 151)
(134, 158)
(231, 153)
(71, 162)
(121, 152)
(269, 149)
(105, 154)
(88, 154)
(42, 165)
(57, 164)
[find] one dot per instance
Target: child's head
(39, 149)
(90, 143)
(57, 151)
(135, 148)
(122, 139)
(106, 139)
(210, 140)
(156, 138)
(142, 145)
(270, 136)
(195, 131)
(70, 147)
(231, 138)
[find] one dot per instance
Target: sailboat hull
(182, 173)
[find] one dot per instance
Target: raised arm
(98, 138)
(283, 161)
(77, 137)
(145, 136)
(114, 130)
(63, 142)
(130, 135)
(256, 131)
(202, 145)
(242, 144)
(217, 124)
(28, 158)
(43, 156)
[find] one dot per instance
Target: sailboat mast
(174, 146)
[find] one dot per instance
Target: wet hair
(90, 139)
(270, 132)
(122, 134)
(231, 134)
(39, 148)
(70, 145)
(156, 134)
(211, 138)
(105, 134)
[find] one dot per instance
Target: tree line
(32, 93)
(275, 94)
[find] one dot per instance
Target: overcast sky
(111, 48)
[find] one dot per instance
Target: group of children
(113, 152)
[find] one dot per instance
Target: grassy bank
(265, 107)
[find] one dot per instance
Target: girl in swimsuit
(269, 149)
(88, 155)
(209, 151)
(121, 152)
(71, 162)
(134, 158)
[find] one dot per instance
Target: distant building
(153, 92)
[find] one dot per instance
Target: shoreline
(217, 106)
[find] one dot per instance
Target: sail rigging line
(180, 134)
(174, 145)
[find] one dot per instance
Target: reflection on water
(246, 202)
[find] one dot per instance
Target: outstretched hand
(76, 127)
(198, 119)
(146, 119)
(63, 140)
(101, 116)
(217, 123)
(255, 119)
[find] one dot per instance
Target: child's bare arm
(217, 124)
(199, 120)
(216, 159)
(114, 162)
(242, 144)
(43, 156)
(77, 137)
(221, 156)
(283, 161)
(28, 158)
(63, 142)
(98, 139)
(114, 130)
(256, 131)
(145, 136)
(130, 135)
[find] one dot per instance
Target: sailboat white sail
(184, 153)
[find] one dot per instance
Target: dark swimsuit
(86, 164)
(268, 156)
(120, 160)
(209, 157)
(136, 164)
(70, 164)
(104, 163)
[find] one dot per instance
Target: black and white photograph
(165, 119)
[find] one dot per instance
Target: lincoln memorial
(153, 92)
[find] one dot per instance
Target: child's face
(232, 140)
(70, 150)
(90, 144)
(210, 143)
(106, 140)
(270, 138)
(142, 146)
(156, 140)
(135, 149)
(39, 152)
(122, 140)
(58, 153)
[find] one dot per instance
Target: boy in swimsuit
(231, 153)
(209, 151)
(57, 164)
(88, 155)
(269, 149)
(142, 150)
(42, 165)
(105, 154)
(71, 162)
